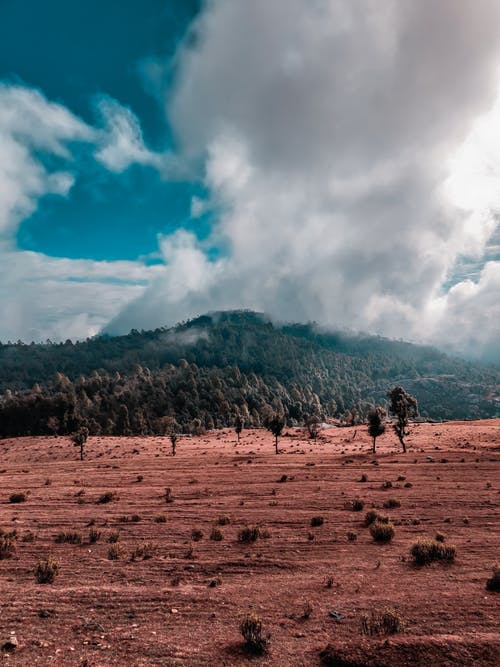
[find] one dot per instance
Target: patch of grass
(17, 498)
(94, 535)
(143, 551)
(493, 583)
(115, 552)
(425, 552)
(248, 534)
(382, 532)
(252, 629)
(113, 537)
(106, 498)
(372, 515)
(7, 544)
(317, 521)
(355, 505)
(134, 518)
(216, 534)
(28, 536)
(196, 534)
(391, 503)
(386, 622)
(68, 537)
(46, 570)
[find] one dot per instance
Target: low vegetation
(382, 532)
(255, 641)
(46, 570)
(425, 552)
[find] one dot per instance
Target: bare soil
(184, 604)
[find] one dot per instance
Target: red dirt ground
(163, 611)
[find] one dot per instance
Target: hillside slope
(217, 365)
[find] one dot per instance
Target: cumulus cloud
(45, 297)
(331, 134)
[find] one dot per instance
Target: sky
(335, 161)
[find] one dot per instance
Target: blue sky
(329, 160)
(74, 51)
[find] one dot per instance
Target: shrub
(439, 537)
(317, 521)
(216, 534)
(17, 498)
(372, 515)
(223, 520)
(355, 505)
(196, 534)
(68, 537)
(387, 622)
(424, 552)
(105, 498)
(46, 570)
(161, 518)
(252, 630)
(493, 584)
(115, 551)
(387, 484)
(248, 534)
(382, 532)
(352, 537)
(168, 495)
(364, 477)
(7, 544)
(392, 503)
(94, 535)
(144, 551)
(113, 537)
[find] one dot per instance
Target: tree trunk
(276, 443)
(374, 445)
(81, 452)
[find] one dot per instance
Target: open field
(182, 604)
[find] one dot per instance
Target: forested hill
(216, 366)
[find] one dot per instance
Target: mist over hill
(206, 371)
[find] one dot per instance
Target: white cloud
(327, 131)
(40, 296)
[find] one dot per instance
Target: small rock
(174, 611)
(11, 644)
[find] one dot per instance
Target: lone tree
(173, 441)
(79, 438)
(169, 427)
(275, 423)
(404, 407)
(376, 425)
(238, 425)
